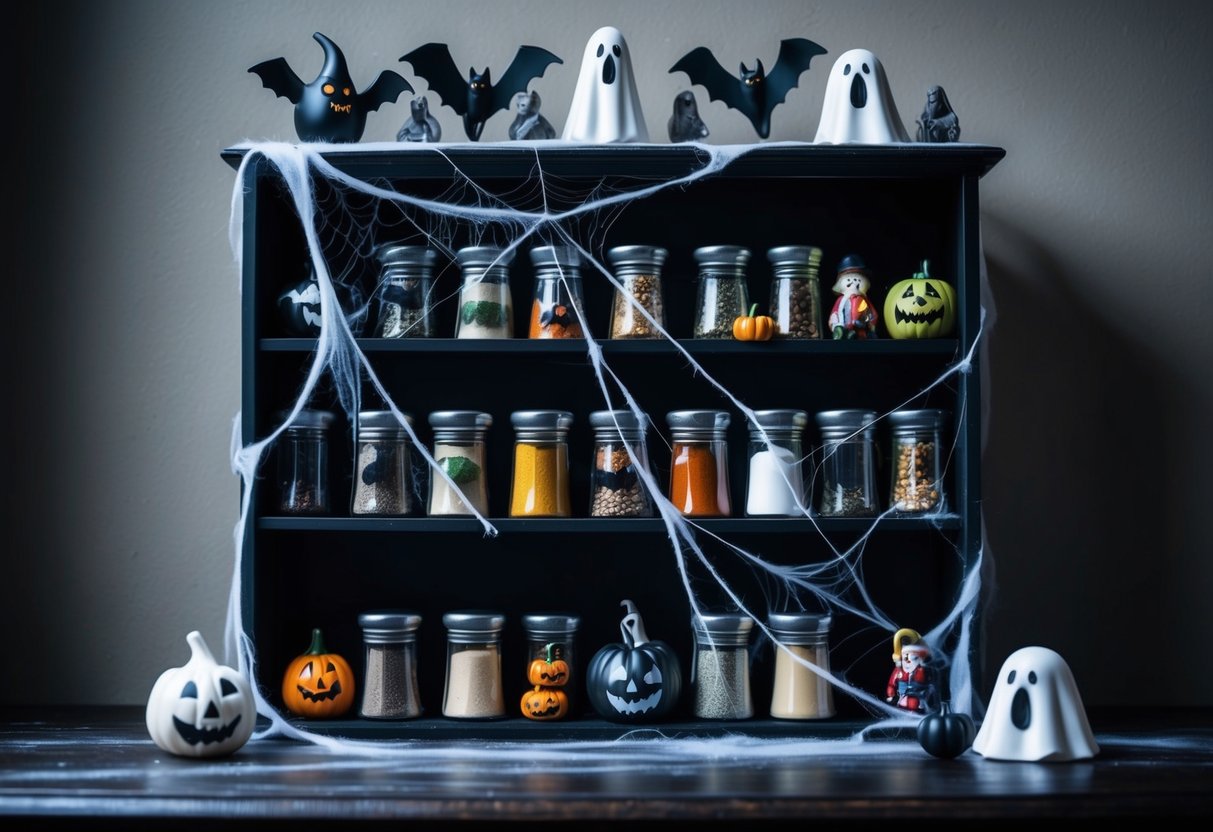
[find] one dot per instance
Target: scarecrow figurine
(911, 685)
(853, 315)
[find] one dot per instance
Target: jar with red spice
(699, 463)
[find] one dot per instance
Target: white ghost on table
(859, 106)
(1035, 712)
(606, 106)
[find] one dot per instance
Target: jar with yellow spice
(540, 487)
(699, 470)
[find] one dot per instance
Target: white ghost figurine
(1035, 712)
(606, 107)
(858, 106)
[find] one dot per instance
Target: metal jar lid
(616, 424)
(459, 424)
(312, 422)
(727, 258)
(628, 260)
(802, 628)
(550, 626)
(844, 424)
(382, 424)
(909, 421)
(698, 424)
(389, 626)
(782, 423)
(487, 260)
(473, 626)
(541, 424)
(557, 258)
(795, 261)
(413, 260)
(724, 629)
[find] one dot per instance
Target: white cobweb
(543, 210)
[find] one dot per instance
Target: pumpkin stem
(548, 648)
(632, 626)
(198, 648)
(753, 309)
(317, 647)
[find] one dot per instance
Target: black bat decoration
(329, 109)
(476, 97)
(753, 93)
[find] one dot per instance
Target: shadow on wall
(1077, 422)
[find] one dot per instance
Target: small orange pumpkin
(548, 672)
(753, 327)
(318, 684)
(545, 703)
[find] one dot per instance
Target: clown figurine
(911, 684)
(853, 316)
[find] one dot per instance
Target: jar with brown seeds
(916, 461)
(795, 291)
(616, 489)
(639, 296)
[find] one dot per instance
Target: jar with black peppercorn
(303, 463)
(795, 291)
(721, 294)
(405, 280)
(619, 450)
(389, 687)
(382, 465)
(638, 270)
(917, 461)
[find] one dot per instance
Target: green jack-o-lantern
(920, 307)
(637, 681)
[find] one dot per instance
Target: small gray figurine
(685, 125)
(421, 126)
(938, 123)
(529, 124)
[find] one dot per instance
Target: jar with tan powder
(459, 449)
(473, 665)
(800, 692)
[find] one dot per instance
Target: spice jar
(916, 461)
(775, 485)
(459, 448)
(486, 307)
(389, 687)
(556, 308)
(615, 487)
(800, 692)
(405, 278)
(699, 470)
(551, 638)
(720, 667)
(638, 270)
(473, 665)
(541, 463)
(795, 291)
(382, 465)
(303, 463)
(847, 483)
(721, 294)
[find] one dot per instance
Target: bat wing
(529, 62)
(386, 89)
(434, 63)
(277, 75)
(793, 61)
(703, 69)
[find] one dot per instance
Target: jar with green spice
(540, 487)
(486, 307)
(459, 450)
(721, 294)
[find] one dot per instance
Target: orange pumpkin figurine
(548, 671)
(318, 684)
(545, 703)
(753, 327)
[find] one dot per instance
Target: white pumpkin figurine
(203, 709)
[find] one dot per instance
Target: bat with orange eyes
(329, 109)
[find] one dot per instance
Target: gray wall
(122, 306)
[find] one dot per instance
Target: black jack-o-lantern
(638, 680)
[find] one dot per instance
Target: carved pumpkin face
(550, 671)
(318, 684)
(545, 703)
(637, 681)
(920, 307)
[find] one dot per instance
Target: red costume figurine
(911, 685)
(853, 316)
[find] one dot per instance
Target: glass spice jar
(557, 304)
(552, 637)
(382, 465)
(795, 291)
(775, 487)
(619, 450)
(405, 281)
(473, 665)
(799, 691)
(699, 471)
(389, 687)
(459, 448)
(486, 307)
(303, 463)
(720, 666)
(540, 486)
(916, 461)
(721, 294)
(638, 270)
(847, 468)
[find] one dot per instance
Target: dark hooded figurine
(329, 109)
(421, 126)
(938, 122)
(685, 125)
(528, 123)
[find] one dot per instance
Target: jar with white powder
(846, 486)
(775, 486)
(720, 667)
(802, 656)
(473, 665)
(383, 468)
(486, 307)
(459, 449)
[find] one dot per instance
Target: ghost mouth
(859, 92)
(608, 69)
(340, 108)
(917, 317)
(206, 736)
(1021, 710)
(640, 706)
(323, 695)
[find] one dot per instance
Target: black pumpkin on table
(638, 680)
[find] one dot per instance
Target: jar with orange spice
(541, 463)
(699, 469)
(557, 304)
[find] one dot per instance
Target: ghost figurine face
(858, 106)
(606, 106)
(1035, 712)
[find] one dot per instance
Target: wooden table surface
(98, 768)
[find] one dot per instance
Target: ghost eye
(909, 293)
(226, 688)
(190, 691)
(328, 89)
(846, 70)
(1011, 678)
(345, 91)
(931, 293)
(601, 49)
(306, 673)
(330, 668)
(866, 71)
(615, 49)
(1032, 676)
